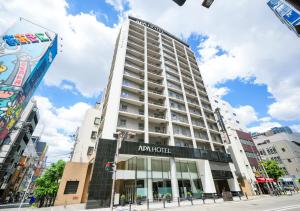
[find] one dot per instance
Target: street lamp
(120, 136)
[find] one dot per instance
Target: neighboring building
(156, 92)
(86, 136)
(288, 11)
(237, 143)
(282, 147)
(81, 160)
(12, 148)
(27, 51)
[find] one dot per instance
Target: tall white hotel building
(155, 90)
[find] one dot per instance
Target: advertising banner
(291, 16)
(26, 52)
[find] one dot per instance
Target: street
(257, 203)
(286, 202)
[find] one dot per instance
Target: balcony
(156, 104)
(134, 63)
(136, 34)
(195, 113)
(155, 94)
(158, 129)
(132, 45)
(193, 102)
(201, 135)
(157, 117)
(181, 132)
(135, 53)
(210, 117)
(132, 99)
(159, 141)
(136, 28)
(136, 78)
(216, 138)
(152, 47)
(153, 54)
(154, 61)
(207, 108)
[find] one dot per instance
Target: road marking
(284, 208)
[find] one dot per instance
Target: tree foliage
(272, 168)
(47, 184)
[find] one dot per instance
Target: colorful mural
(26, 52)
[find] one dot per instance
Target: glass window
(90, 150)
(141, 164)
(94, 135)
(166, 165)
(192, 167)
(71, 187)
(156, 165)
(97, 121)
(184, 167)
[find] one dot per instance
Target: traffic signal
(109, 166)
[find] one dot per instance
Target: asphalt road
(281, 203)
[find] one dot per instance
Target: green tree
(47, 185)
(272, 168)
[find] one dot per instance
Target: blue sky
(241, 92)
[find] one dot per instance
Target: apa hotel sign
(154, 149)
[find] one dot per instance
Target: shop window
(97, 121)
(71, 187)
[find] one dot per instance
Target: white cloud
(117, 4)
(295, 128)
(264, 126)
(57, 124)
(246, 114)
(87, 43)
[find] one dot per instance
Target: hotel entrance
(150, 178)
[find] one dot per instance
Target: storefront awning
(261, 179)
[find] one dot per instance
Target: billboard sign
(291, 16)
(26, 52)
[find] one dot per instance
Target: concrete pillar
(204, 171)
(149, 182)
(233, 183)
(174, 181)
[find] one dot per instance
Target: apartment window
(283, 149)
(141, 111)
(125, 94)
(124, 107)
(289, 160)
(94, 134)
(97, 121)
(141, 126)
(71, 187)
(123, 122)
(90, 151)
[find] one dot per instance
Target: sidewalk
(134, 207)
